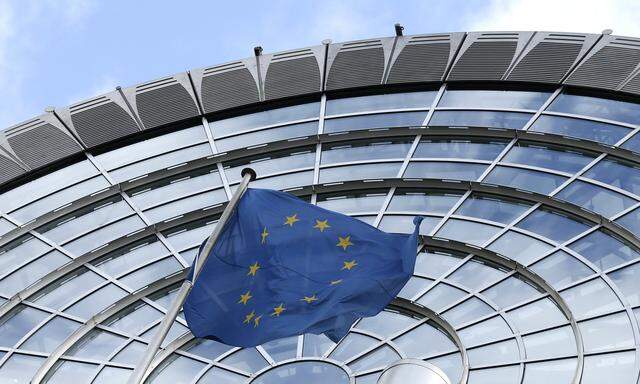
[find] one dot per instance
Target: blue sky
(56, 52)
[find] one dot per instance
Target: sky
(58, 52)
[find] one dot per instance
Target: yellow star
(256, 321)
(253, 269)
(247, 319)
(291, 220)
(264, 235)
(310, 299)
(278, 310)
(344, 242)
(244, 298)
(349, 264)
(322, 225)
(336, 282)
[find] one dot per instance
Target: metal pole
(139, 374)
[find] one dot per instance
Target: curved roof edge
(550, 58)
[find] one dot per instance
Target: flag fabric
(283, 267)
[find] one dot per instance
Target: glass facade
(530, 268)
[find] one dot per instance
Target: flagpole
(138, 374)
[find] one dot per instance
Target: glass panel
(604, 250)
(379, 358)
(134, 319)
(316, 345)
(444, 170)
(290, 180)
(545, 157)
(500, 353)
(631, 221)
(469, 310)
(475, 274)
(463, 149)
(282, 349)
(380, 102)
(590, 299)
(511, 120)
(266, 136)
(597, 107)
(47, 338)
(582, 129)
(248, 360)
(359, 172)
(364, 150)
(105, 235)
(20, 368)
(414, 286)
(451, 365)
(5, 227)
(174, 188)
(500, 375)
(595, 198)
(112, 375)
(352, 345)
(549, 344)
(131, 353)
(552, 225)
(122, 260)
(32, 272)
(617, 174)
(151, 147)
(537, 315)
(628, 280)
(609, 368)
(493, 99)
(17, 323)
(493, 209)
(562, 371)
(179, 370)
(186, 205)
(60, 198)
(609, 332)
(383, 120)
(540, 182)
(72, 372)
(485, 331)
(19, 251)
(220, 376)
(151, 273)
(521, 248)
(441, 296)
(352, 203)
(632, 144)
(510, 292)
(436, 263)
(412, 343)
(467, 231)
(69, 288)
(427, 202)
(97, 345)
(160, 162)
(207, 349)
(263, 119)
(96, 301)
(385, 323)
(311, 372)
(560, 269)
(45, 185)
(271, 163)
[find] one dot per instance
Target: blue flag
(283, 267)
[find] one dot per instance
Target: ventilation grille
(38, 144)
(291, 74)
(547, 62)
(357, 65)
(228, 86)
(423, 59)
(164, 102)
(633, 86)
(9, 169)
(484, 60)
(101, 120)
(608, 67)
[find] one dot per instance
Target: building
(520, 148)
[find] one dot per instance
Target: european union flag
(283, 267)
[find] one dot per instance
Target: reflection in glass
(444, 170)
(582, 129)
(380, 102)
(560, 269)
(493, 99)
(628, 280)
(491, 208)
(552, 225)
(535, 181)
(383, 120)
(591, 298)
(595, 198)
(547, 157)
(609, 368)
(510, 120)
(549, 344)
(461, 149)
(604, 250)
(519, 247)
(609, 332)
(311, 372)
(609, 109)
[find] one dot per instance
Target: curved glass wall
(91, 254)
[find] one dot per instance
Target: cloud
(591, 16)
